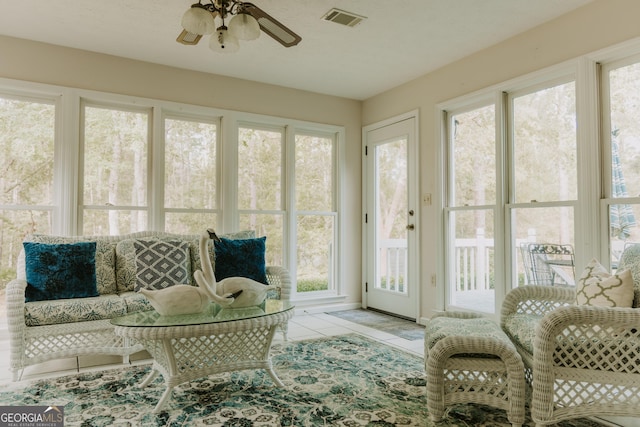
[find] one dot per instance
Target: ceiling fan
(246, 21)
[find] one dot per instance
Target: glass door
(391, 219)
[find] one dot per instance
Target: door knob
(411, 227)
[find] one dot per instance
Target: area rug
(394, 325)
(339, 381)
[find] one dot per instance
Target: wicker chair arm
(584, 344)
(279, 276)
(583, 329)
(536, 300)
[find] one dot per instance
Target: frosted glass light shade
(244, 27)
(197, 20)
(223, 42)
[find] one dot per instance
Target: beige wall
(595, 26)
(43, 63)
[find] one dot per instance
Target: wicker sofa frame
(31, 345)
(581, 360)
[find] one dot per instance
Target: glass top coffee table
(192, 346)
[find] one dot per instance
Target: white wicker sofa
(52, 329)
(581, 360)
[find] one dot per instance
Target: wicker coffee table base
(185, 353)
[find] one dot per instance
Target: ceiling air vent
(345, 18)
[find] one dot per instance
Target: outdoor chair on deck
(549, 264)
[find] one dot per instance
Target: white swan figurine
(238, 292)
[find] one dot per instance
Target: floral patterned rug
(347, 380)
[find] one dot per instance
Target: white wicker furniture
(219, 340)
(468, 359)
(45, 330)
(581, 360)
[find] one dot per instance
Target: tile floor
(302, 326)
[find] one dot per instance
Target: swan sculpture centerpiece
(234, 292)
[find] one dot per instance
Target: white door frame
(413, 163)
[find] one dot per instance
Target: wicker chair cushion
(40, 313)
(441, 327)
(521, 329)
(596, 286)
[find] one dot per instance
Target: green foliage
(311, 285)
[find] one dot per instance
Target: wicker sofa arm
(15, 312)
(279, 276)
(536, 300)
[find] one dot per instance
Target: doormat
(394, 325)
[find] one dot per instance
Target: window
(621, 88)
(190, 175)
(530, 196)
(264, 199)
(115, 165)
(316, 215)
(27, 199)
(260, 186)
(471, 214)
(544, 183)
(123, 164)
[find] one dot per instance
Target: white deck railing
(473, 262)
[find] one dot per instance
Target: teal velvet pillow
(58, 271)
(241, 258)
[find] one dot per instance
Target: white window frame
(67, 207)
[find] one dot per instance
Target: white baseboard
(317, 309)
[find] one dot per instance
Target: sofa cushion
(161, 263)
(597, 287)
(521, 329)
(135, 302)
(194, 246)
(125, 263)
(60, 311)
(59, 271)
(105, 257)
(241, 258)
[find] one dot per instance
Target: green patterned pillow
(596, 286)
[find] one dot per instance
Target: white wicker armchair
(581, 360)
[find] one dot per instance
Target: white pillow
(596, 286)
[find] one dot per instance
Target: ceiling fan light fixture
(246, 22)
(198, 20)
(223, 42)
(244, 27)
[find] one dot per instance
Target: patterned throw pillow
(59, 271)
(596, 286)
(241, 258)
(161, 263)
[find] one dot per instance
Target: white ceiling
(400, 40)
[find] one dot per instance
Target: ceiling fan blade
(272, 27)
(185, 37)
(188, 38)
